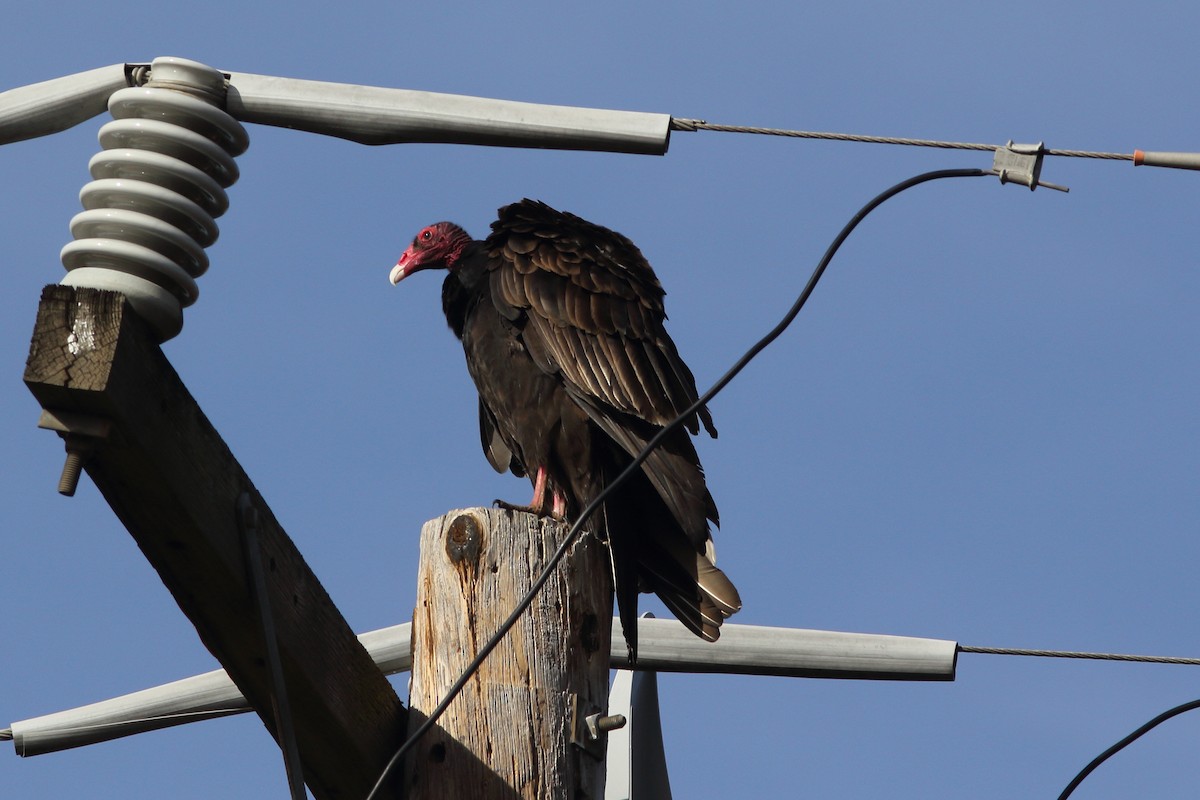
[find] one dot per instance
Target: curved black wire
(721, 383)
(1121, 745)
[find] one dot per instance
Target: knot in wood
(464, 539)
(589, 633)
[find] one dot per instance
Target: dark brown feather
(562, 324)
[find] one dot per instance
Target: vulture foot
(555, 514)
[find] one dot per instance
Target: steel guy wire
(1009, 651)
(699, 124)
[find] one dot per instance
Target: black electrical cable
(724, 380)
(1121, 745)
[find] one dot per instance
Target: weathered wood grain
(509, 734)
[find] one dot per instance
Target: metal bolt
(78, 449)
(603, 724)
(81, 433)
(611, 722)
(70, 473)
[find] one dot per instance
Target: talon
(537, 512)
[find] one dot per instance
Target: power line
(1116, 748)
(1008, 651)
(699, 124)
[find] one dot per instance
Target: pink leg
(541, 487)
(539, 491)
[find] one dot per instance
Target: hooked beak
(400, 271)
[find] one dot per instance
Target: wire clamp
(1022, 163)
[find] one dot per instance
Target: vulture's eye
(426, 235)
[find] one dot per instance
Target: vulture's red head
(437, 246)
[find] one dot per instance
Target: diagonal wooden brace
(173, 482)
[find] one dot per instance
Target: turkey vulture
(562, 324)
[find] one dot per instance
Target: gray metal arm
(41, 109)
(365, 114)
(373, 115)
(664, 645)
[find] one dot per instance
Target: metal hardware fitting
(81, 433)
(597, 724)
(588, 730)
(1022, 163)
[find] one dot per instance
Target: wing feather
(601, 366)
(498, 453)
(585, 305)
(588, 372)
(596, 308)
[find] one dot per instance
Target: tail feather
(625, 582)
(690, 585)
(656, 524)
(673, 468)
(691, 618)
(702, 567)
(695, 590)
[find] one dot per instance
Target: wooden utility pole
(127, 418)
(518, 728)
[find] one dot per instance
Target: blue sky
(982, 428)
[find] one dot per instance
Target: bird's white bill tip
(396, 275)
